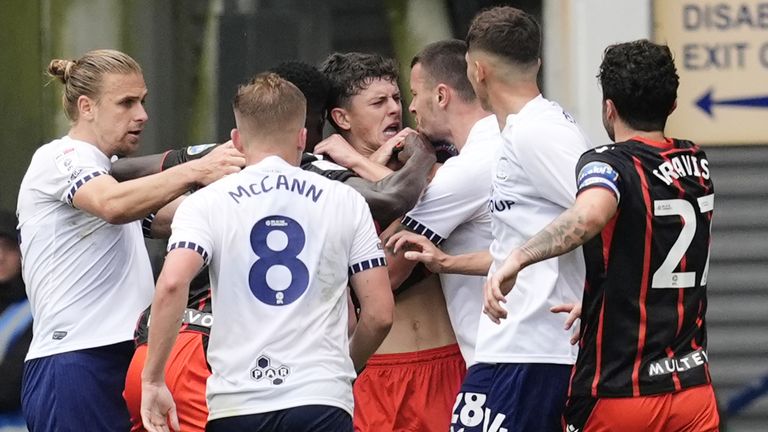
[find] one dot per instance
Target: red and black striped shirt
(643, 319)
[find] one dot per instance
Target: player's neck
(289, 155)
(82, 131)
(364, 148)
(624, 133)
(464, 117)
(508, 98)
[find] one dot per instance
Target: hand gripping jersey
(87, 279)
(643, 325)
(532, 185)
(280, 243)
(453, 213)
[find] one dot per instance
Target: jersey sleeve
(326, 168)
(76, 167)
(174, 157)
(190, 228)
(548, 154)
(599, 168)
(449, 200)
(367, 251)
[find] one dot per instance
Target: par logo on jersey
(269, 370)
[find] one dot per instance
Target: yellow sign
(721, 54)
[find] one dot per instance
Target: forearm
(131, 200)
(135, 167)
(409, 182)
(571, 229)
(167, 309)
(161, 225)
(473, 264)
(366, 339)
(369, 169)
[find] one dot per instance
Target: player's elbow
(113, 213)
(379, 318)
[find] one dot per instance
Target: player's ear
(674, 105)
(85, 107)
(610, 109)
(341, 118)
(443, 95)
(302, 141)
(235, 135)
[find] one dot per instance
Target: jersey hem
(524, 359)
(35, 354)
(266, 408)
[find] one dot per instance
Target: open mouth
(391, 130)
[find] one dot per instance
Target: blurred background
(195, 52)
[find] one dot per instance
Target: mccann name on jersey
(280, 182)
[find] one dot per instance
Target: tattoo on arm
(565, 234)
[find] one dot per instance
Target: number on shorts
(269, 258)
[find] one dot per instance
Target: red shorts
(185, 375)
(409, 392)
(690, 410)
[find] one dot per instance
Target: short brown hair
(509, 33)
(84, 76)
(444, 61)
(270, 105)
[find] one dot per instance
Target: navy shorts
(78, 390)
(308, 418)
(516, 397)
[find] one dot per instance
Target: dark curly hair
(350, 73)
(507, 32)
(641, 79)
(309, 80)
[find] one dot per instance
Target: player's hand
(384, 153)
(574, 312)
(158, 408)
(418, 248)
(496, 288)
(413, 144)
(224, 159)
(338, 149)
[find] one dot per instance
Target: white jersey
(87, 280)
(281, 243)
(453, 214)
(534, 183)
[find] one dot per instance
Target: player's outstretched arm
(157, 406)
(416, 247)
(134, 167)
(131, 200)
(376, 313)
(592, 210)
(392, 196)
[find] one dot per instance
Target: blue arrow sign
(706, 102)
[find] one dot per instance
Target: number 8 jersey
(280, 243)
(643, 326)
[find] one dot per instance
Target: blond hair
(269, 105)
(84, 76)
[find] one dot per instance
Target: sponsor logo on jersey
(270, 371)
(499, 205)
(66, 160)
(572, 428)
(197, 149)
(59, 335)
(682, 364)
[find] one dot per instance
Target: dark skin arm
(395, 194)
(135, 167)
